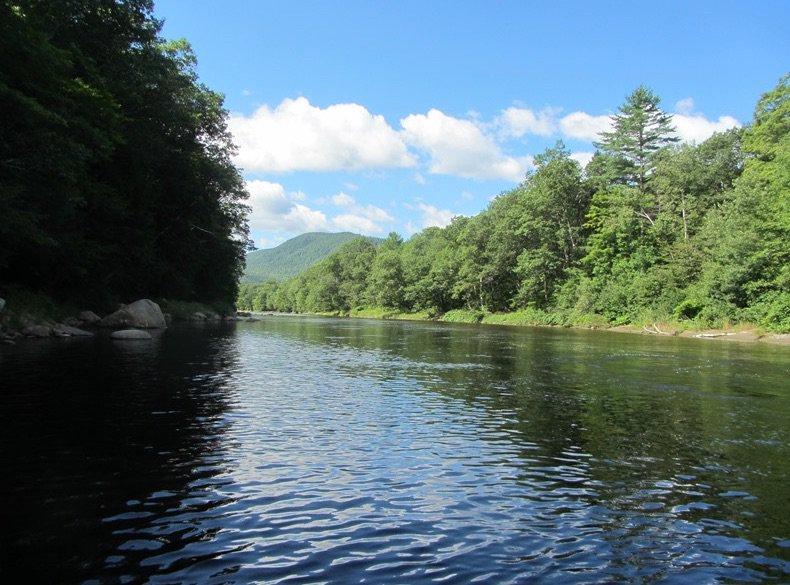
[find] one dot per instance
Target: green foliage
(641, 131)
(294, 256)
(651, 232)
(462, 316)
(115, 162)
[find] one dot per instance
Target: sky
(377, 116)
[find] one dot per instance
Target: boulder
(144, 313)
(137, 334)
(89, 317)
(197, 316)
(37, 331)
(69, 331)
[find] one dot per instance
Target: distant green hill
(293, 256)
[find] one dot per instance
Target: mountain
(294, 256)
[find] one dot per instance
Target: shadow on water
(98, 437)
(328, 450)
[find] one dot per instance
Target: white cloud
(419, 179)
(697, 128)
(433, 216)
(299, 136)
(460, 147)
(690, 126)
(582, 157)
(275, 210)
(684, 106)
(356, 223)
(583, 126)
(343, 199)
(516, 122)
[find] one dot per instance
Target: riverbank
(742, 332)
(28, 314)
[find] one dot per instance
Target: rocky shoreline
(127, 322)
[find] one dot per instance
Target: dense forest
(651, 230)
(116, 180)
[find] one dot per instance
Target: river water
(310, 450)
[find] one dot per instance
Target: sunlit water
(307, 450)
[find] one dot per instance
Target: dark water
(300, 450)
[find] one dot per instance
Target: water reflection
(304, 450)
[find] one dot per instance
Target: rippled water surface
(307, 450)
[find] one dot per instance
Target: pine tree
(641, 130)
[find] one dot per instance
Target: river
(312, 450)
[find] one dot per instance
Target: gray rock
(2, 304)
(37, 331)
(6, 341)
(144, 313)
(89, 317)
(136, 334)
(71, 331)
(197, 316)
(72, 322)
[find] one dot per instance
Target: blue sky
(379, 116)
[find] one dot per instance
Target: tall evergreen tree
(641, 130)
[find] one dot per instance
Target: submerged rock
(143, 313)
(89, 317)
(37, 331)
(130, 334)
(70, 331)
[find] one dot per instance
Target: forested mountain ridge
(116, 178)
(651, 230)
(294, 256)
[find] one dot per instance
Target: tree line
(116, 179)
(649, 230)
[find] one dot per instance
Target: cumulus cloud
(684, 106)
(343, 200)
(460, 147)
(697, 128)
(583, 126)
(516, 122)
(431, 216)
(298, 136)
(275, 210)
(689, 126)
(582, 157)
